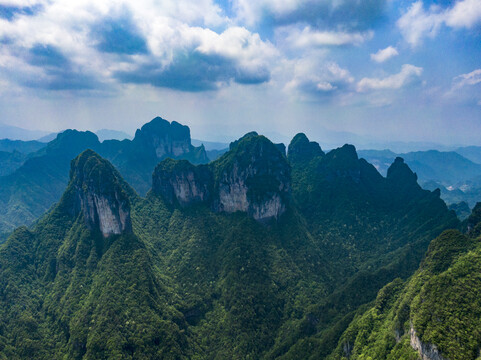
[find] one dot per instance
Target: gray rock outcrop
(99, 195)
(179, 180)
(253, 177)
(426, 351)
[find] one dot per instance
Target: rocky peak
(164, 138)
(253, 177)
(474, 221)
(402, 177)
(99, 194)
(342, 162)
(400, 172)
(179, 180)
(71, 142)
(301, 148)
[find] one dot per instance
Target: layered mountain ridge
(39, 182)
(191, 271)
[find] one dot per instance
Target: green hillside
(253, 256)
(39, 181)
(436, 313)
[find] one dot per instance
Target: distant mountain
(13, 153)
(458, 178)
(35, 186)
(49, 137)
(106, 134)
(25, 147)
(256, 255)
(16, 133)
(472, 153)
(10, 161)
(210, 145)
(433, 315)
(447, 168)
(461, 209)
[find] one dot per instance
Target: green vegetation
(195, 284)
(440, 303)
(40, 179)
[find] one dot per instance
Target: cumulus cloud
(384, 54)
(207, 62)
(418, 23)
(407, 74)
(309, 37)
(167, 44)
(315, 78)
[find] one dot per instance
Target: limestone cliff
(165, 139)
(99, 195)
(425, 351)
(253, 177)
(179, 180)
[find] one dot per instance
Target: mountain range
(38, 183)
(261, 253)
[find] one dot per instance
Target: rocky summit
(99, 195)
(180, 181)
(253, 177)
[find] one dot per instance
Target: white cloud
(20, 3)
(308, 37)
(465, 14)
(405, 76)
(384, 54)
(472, 78)
(171, 28)
(418, 23)
(314, 77)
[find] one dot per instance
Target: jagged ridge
(253, 177)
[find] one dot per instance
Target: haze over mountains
(145, 248)
(28, 189)
(262, 253)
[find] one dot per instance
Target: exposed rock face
(426, 351)
(474, 221)
(179, 180)
(99, 195)
(253, 177)
(166, 139)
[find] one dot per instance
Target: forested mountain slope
(34, 187)
(255, 255)
(434, 315)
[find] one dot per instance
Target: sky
(359, 70)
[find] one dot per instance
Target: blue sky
(372, 70)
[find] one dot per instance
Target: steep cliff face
(253, 177)
(425, 351)
(179, 180)
(167, 139)
(98, 194)
(401, 176)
